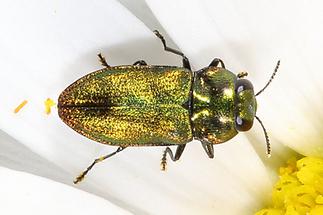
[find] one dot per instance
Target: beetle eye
(243, 84)
(242, 124)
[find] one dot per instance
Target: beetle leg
(216, 62)
(103, 61)
(140, 62)
(208, 147)
(178, 153)
(83, 174)
(186, 63)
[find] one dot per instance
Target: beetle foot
(79, 178)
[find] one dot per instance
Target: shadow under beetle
(149, 105)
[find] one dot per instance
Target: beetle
(150, 105)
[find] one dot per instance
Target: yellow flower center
(299, 189)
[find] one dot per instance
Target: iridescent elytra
(149, 105)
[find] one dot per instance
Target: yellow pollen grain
(20, 106)
(299, 189)
(49, 103)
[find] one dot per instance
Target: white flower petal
(140, 9)
(23, 193)
(252, 35)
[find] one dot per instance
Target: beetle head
(245, 104)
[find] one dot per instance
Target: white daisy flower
(46, 45)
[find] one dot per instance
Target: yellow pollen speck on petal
(299, 189)
(20, 106)
(49, 103)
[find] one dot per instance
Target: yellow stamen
(299, 190)
(20, 106)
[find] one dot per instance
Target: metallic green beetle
(146, 105)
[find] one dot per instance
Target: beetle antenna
(271, 78)
(266, 136)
